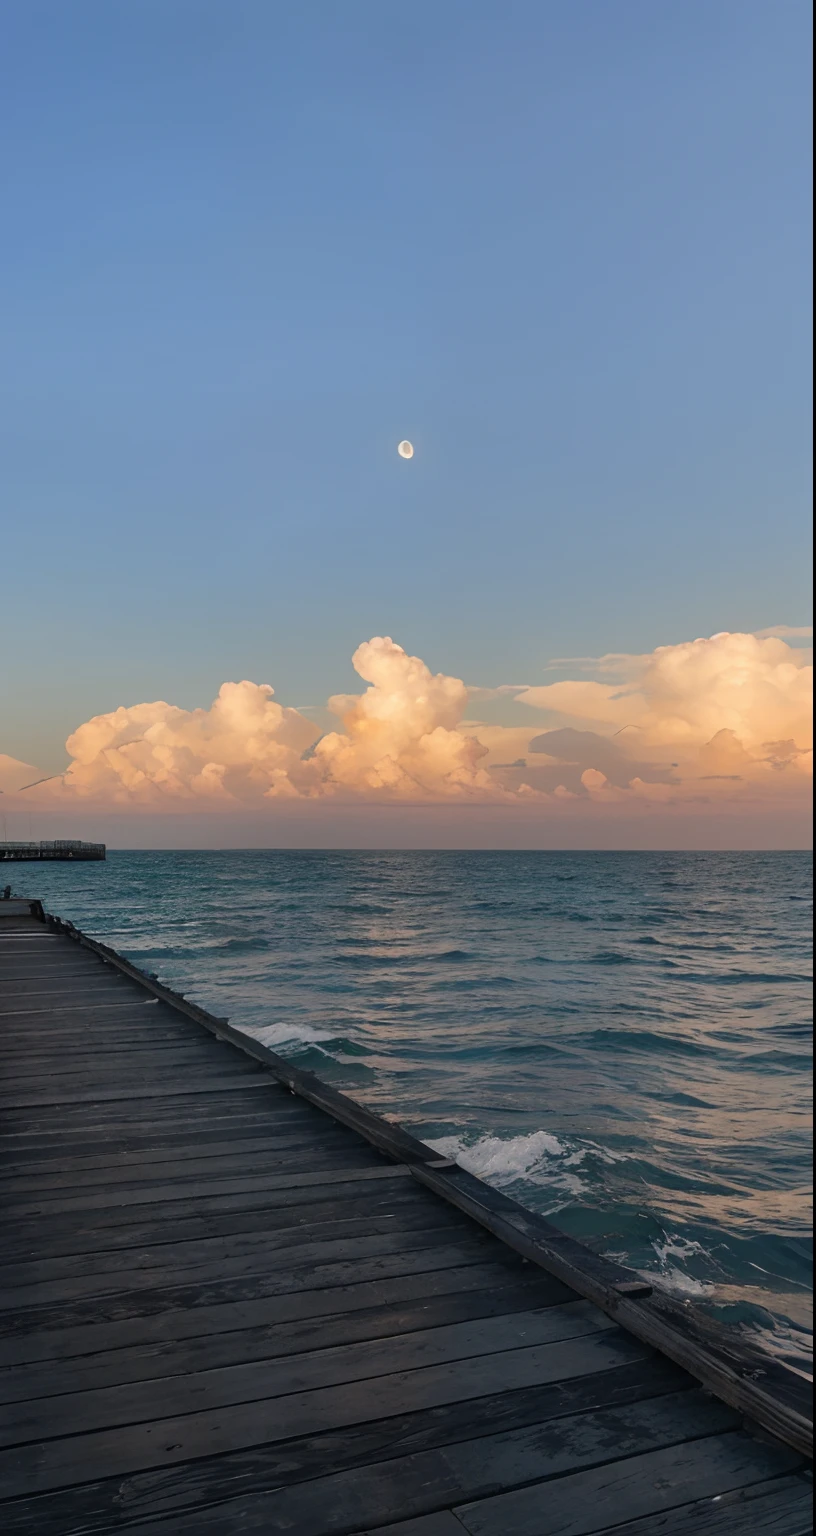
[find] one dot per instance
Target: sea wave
(538, 1157)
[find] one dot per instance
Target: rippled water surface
(622, 1041)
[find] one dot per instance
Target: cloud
(682, 696)
(15, 775)
(786, 632)
(402, 737)
(243, 746)
(707, 721)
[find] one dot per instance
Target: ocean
(620, 1040)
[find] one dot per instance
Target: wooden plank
(442, 1524)
(86, 1238)
(33, 973)
(52, 941)
(42, 947)
(640, 1486)
(66, 1068)
(140, 1080)
(92, 1043)
(112, 1368)
(261, 1309)
(114, 1246)
(165, 1251)
(84, 996)
(91, 992)
(122, 1120)
(40, 938)
(121, 1143)
(61, 991)
(125, 1093)
(433, 1480)
(50, 987)
(117, 1503)
(175, 1111)
(93, 1154)
(61, 1075)
(126, 1136)
(52, 1173)
(151, 1022)
(90, 1021)
(39, 1016)
(131, 1306)
(101, 1020)
(32, 969)
(122, 1124)
(115, 1125)
(296, 1190)
(127, 1053)
(138, 1034)
(94, 993)
(226, 1259)
(105, 1056)
(199, 1391)
(781, 1507)
(361, 1162)
(118, 1452)
(12, 941)
(174, 1106)
(20, 939)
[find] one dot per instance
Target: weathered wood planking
(231, 1300)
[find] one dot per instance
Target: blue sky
(249, 246)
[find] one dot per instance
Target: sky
(249, 247)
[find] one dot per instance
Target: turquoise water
(622, 1041)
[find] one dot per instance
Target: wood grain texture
(225, 1259)
(209, 1351)
(255, 1310)
(115, 1504)
(197, 1391)
(782, 1507)
(430, 1481)
(638, 1487)
(193, 1436)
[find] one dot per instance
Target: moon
(405, 449)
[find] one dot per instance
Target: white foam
(539, 1157)
(676, 1247)
(301, 1036)
(673, 1279)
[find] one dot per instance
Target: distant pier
(57, 850)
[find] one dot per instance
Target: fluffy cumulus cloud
(403, 736)
(245, 745)
(732, 708)
(759, 688)
(706, 721)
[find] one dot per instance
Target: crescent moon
(405, 450)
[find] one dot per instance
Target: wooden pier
(233, 1301)
(14, 853)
